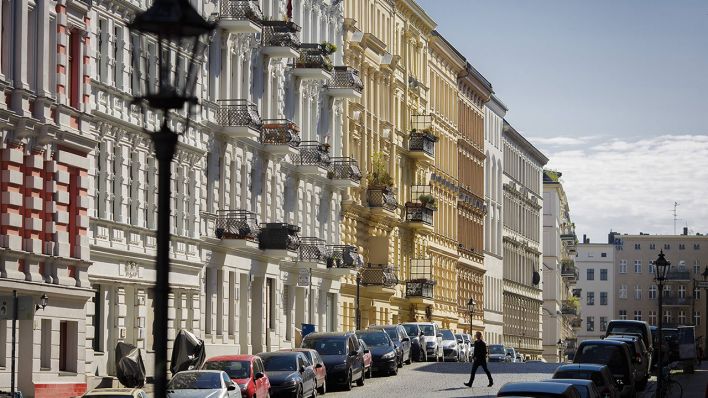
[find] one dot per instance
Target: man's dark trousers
(483, 364)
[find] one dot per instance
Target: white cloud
(630, 185)
(560, 141)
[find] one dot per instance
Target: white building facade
(494, 112)
(595, 286)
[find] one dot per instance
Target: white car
(465, 347)
(431, 340)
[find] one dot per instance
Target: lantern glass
(661, 266)
(705, 273)
(471, 306)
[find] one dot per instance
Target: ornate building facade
(522, 242)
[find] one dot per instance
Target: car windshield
(428, 330)
(412, 330)
(447, 335)
(496, 349)
(235, 369)
(579, 374)
(375, 339)
(459, 337)
(326, 346)
(277, 363)
(195, 381)
(509, 351)
(392, 333)
(603, 354)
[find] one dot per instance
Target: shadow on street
(494, 368)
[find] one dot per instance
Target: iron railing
(345, 169)
(280, 132)
(344, 256)
(678, 275)
(241, 10)
(236, 224)
(420, 288)
(238, 112)
(418, 212)
(675, 300)
(281, 34)
(313, 56)
(576, 322)
(568, 269)
(279, 236)
(420, 282)
(422, 142)
(314, 250)
(346, 77)
(312, 153)
(569, 309)
(379, 275)
(381, 197)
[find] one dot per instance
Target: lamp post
(470, 308)
(661, 267)
(705, 314)
(560, 347)
(357, 315)
(178, 30)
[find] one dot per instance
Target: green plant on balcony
(378, 177)
(428, 200)
(573, 302)
(328, 48)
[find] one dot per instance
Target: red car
(245, 370)
(317, 364)
(367, 359)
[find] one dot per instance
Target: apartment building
(522, 242)
(595, 287)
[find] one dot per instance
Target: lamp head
(471, 304)
(43, 302)
(661, 266)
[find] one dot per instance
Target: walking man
(479, 359)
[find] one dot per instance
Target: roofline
(509, 130)
(420, 13)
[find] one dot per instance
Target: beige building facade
(595, 288)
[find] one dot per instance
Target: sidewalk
(694, 385)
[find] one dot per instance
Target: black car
(384, 358)
(400, 338)
(417, 349)
(614, 354)
(290, 374)
(342, 357)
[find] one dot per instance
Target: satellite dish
(536, 278)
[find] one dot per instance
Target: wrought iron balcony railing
(420, 288)
(313, 56)
(346, 77)
(568, 269)
(379, 275)
(238, 112)
(241, 10)
(419, 212)
(314, 250)
(237, 224)
(420, 282)
(281, 34)
(568, 309)
(280, 132)
(345, 169)
(279, 236)
(345, 256)
(312, 153)
(381, 198)
(422, 142)
(676, 300)
(678, 275)
(576, 322)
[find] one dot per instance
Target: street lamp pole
(661, 266)
(358, 309)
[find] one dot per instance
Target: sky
(614, 92)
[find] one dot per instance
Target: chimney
(685, 230)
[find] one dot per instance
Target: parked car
(465, 347)
(520, 358)
(497, 353)
(688, 353)
(432, 339)
(624, 327)
(417, 345)
(384, 356)
(640, 358)
(400, 338)
(538, 390)
(290, 373)
(470, 343)
(342, 356)
(614, 354)
(368, 371)
(600, 375)
(451, 348)
(511, 353)
(320, 369)
(245, 370)
(202, 383)
(115, 393)
(586, 388)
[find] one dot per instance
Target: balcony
(569, 309)
(345, 83)
(240, 16)
(576, 323)
(345, 173)
(569, 271)
(677, 301)
(420, 282)
(280, 39)
(419, 214)
(680, 275)
(280, 137)
(313, 63)
(279, 240)
(344, 259)
(314, 252)
(382, 201)
(237, 229)
(421, 141)
(313, 159)
(379, 275)
(239, 119)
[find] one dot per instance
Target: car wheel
(348, 383)
(314, 391)
(410, 359)
(323, 388)
(394, 371)
(360, 382)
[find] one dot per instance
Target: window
(623, 266)
(68, 346)
(652, 269)
(603, 254)
(603, 323)
(590, 324)
(98, 320)
(682, 291)
(591, 274)
(697, 318)
(74, 61)
(117, 56)
(101, 56)
(603, 274)
(270, 301)
(332, 312)
(637, 292)
(637, 246)
(603, 298)
(682, 317)
(697, 293)
(590, 298)
(696, 246)
(652, 318)
(667, 246)
(637, 315)
(637, 266)
(623, 292)
(696, 269)
(652, 292)
(667, 317)
(652, 246)
(623, 315)
(667, 290)
(45, 361)
(682, 246)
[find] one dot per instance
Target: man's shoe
(468, 384)
(491, 383)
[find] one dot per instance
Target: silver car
(202, 383)
(465, 346)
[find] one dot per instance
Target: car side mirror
(406, 339)
(231, 387)
(302, 369)
(459, 341)
(439, 335)
(318, 366)
(366, 351)
(258, 375)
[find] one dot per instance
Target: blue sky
(587, 82)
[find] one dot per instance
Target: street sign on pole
(303, 278)
(703, 284)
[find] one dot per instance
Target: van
(626, 327)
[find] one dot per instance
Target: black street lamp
(661, 267)
(179, 31)
(560, 348)
(357, 315)
(43, 302)
(470, 308)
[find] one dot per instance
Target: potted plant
(378, 177)
(428, 201)
(328, 48)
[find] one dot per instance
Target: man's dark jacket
(480, 351)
